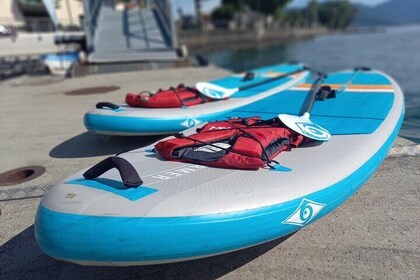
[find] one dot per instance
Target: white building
(21, 13)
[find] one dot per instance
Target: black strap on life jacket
(269, 150)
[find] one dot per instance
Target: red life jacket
(170, 98)
(236, 143)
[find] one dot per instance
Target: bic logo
(190, 123)
(312, 130)
(212, 93)
(306, 211)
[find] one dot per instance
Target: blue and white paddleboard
(60, 64)
(185, 211)
(126, 120)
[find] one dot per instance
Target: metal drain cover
(20, 175)
(92, 90)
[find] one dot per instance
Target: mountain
(388, 13)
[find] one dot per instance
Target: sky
(187, 6)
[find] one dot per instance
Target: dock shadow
(22, 259)
(89, 145)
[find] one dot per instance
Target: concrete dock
(374, 235)
(33, 44)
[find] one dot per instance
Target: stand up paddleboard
(110, 119)
(186, 211)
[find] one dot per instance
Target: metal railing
(162, 8)
(164, 11)
(91, 14)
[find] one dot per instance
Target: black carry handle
(362, 68)
(110, 105)
(326, 92)
(128, 173)
(248, 76)
(304, 68)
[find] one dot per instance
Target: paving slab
(374, 235)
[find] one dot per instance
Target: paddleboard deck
(186, 211)
(127, 120)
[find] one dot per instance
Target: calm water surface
(395, 51)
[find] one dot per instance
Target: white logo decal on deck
(167, 175)
(306, 211)
(312, 130)
(212, 93)
(214, 148)
(218, 127)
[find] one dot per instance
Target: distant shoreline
(198, 42)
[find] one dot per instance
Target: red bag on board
(170, 98)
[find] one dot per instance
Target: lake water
(395, 51)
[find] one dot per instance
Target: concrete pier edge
(374, 235)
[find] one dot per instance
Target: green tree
(224, 12)
(295, 16)
(336, 14)
(312, 11)
(268, 7)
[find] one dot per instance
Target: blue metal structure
(144, 32)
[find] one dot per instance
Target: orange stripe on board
(273, 74)
(370, 87)
(338, 86)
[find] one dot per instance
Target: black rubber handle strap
(110, 105)
(128, 173)
(362, 68)
(325, 92)
(248, 76)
